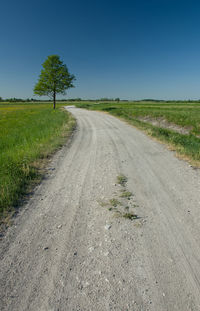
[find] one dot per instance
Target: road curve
(69, 249)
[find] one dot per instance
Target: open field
(177, 124)
(29, 133)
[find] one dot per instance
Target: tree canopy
(54, 78)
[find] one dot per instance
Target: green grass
(126, 194)
(130, 216)
(29, 133)
(122, 180)
(114, 202)
(184, 114)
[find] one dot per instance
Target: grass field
(29, 133)
(183, 114)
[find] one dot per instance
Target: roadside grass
(29, 134)
(184, 114)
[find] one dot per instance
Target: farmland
(175, 123)
(29, 133)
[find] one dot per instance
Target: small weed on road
(124, 206)
(130, 216)
(122, 180)
(126, 194)
(115, 202)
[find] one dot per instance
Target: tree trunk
(54, 100)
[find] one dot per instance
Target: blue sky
(127, 49)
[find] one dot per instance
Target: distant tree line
(15, 99)
(168, 101)
(104, 99)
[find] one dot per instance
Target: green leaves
(54, 78)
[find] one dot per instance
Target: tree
(54, 78)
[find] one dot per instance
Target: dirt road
(71, 248)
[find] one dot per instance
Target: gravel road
(70, 248)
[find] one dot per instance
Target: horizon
(16, 100)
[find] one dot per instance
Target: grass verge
(29, 134)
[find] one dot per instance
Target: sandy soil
(163, 123)
(67, 250)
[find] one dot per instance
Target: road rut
(71, 249)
